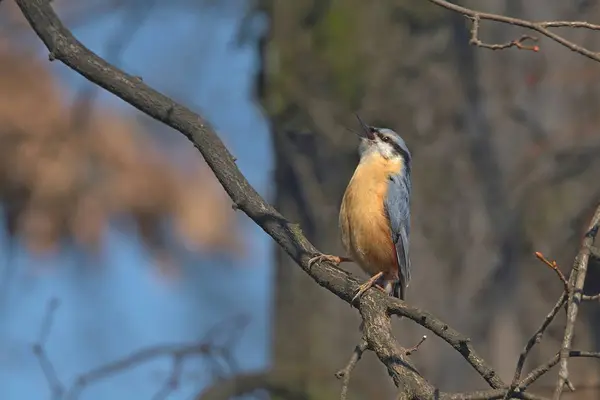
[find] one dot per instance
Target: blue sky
(109, 312)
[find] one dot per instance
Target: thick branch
(378, 333)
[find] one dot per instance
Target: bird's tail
(399, 290)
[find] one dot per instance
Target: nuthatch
(374, 217)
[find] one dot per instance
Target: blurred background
(116, 238)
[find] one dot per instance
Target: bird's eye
(385, 139)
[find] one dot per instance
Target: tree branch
(344, 373)
(207, 347)
(459, 342)
(542, 369)
(536, 338)
(247, 383)
(576, 282)
(540, 27)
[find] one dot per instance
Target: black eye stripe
(384, 138)
(395, 146)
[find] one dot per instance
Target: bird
(374, 217)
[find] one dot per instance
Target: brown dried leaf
(61, 179)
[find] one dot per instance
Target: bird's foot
(335, 260)
(368, 285)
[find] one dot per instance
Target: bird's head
(383, 142)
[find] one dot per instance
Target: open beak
(368, 131)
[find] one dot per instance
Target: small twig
(540, 27)
(536, 338)
(542, 369)
(57, 388)
(570, 385)
(554, 266)
(46, 327)
(347, 370)
(518, 43)
(458, 341)
(214, 346)
(178, 352)
(172, 382)
(569, 24)
(595, 297)
(247, 383)
(413, 349)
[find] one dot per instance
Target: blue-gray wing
(397, 205)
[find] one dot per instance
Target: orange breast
(365, 229)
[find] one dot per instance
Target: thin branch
(595, 297)
(540, 27)
(475, 41)
(57, 388)
(46, 327)
(415, 348)
(542, 369)
(459, 342)
(570, 24)
(248, 383)
(172, 382)
(577, 280)
(138, 357)
(207, 347)
(554, 266)
(536, 338)
(345, 373)
(491, 395)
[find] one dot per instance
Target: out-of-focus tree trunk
(503, 167)
(315, 157)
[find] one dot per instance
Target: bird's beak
(368, 131)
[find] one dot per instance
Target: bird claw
(334, 260)
(367, 285)
(319, 258)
